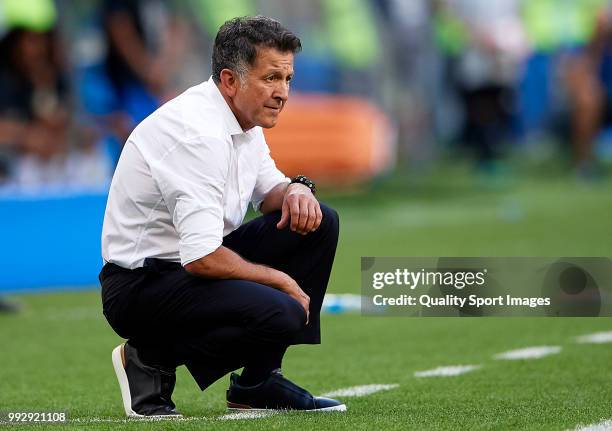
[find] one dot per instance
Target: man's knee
(288, 317)
(331, 221)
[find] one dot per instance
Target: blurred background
(436, 127)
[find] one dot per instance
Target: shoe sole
(339, 408)
(119, 367)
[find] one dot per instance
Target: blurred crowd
(522, 71)
(76, 76)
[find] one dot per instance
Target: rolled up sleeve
(191, 177)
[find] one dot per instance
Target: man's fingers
(294, 208)
(304, 300)
(312, 217)
(302, 213)
(303, 221)
(319, 216)
(307, 307)
(284, 216)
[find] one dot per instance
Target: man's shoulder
(200, 114)
(189, 116)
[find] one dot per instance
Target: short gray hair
(238, 39)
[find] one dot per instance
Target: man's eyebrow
(277, 70)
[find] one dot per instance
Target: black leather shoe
(276, 393)
(146, 391)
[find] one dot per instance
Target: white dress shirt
(184, 180)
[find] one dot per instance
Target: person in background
(588, 76)
(146, 41)
(25, 70)
(484, 44)
(42, 142)
(34, 112)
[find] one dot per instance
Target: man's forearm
(125, 37)
(274, 199)
(224, 263)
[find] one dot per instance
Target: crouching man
(184, 281)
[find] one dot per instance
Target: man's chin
(269, 123)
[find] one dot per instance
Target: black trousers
(216, 326)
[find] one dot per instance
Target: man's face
(261, 98)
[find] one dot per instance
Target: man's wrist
(280, 280)
(304, 180)
(297, 186)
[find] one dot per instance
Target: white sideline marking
(244, 415)
(529, 353)
(596, 338)
(134, 420)
(360, 391)
(452, 370)
(229, 416)
(601, 426)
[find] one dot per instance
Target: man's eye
(269, 78)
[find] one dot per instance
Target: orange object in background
(333, 139)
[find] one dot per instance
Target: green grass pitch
(55, 355)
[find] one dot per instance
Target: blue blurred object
(100, 97)
(137, 101)
(603, 145)
(605, 73)
(51, 241)
(341, 303)
(534, 92)
(315, 75)
(96, 91)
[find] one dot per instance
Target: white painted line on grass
(601, 426)
(228, 416)
(134, 420)
(596, 338)
(536, 352)
(245, 415)
(360, 391)
(448, 371)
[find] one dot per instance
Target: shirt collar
(228, 116)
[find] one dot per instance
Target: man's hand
(291, 288)
(301, 208)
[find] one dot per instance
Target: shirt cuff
(257, 204)
(191, 254)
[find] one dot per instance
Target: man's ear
(229, 82)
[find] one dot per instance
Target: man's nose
(281, 92)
